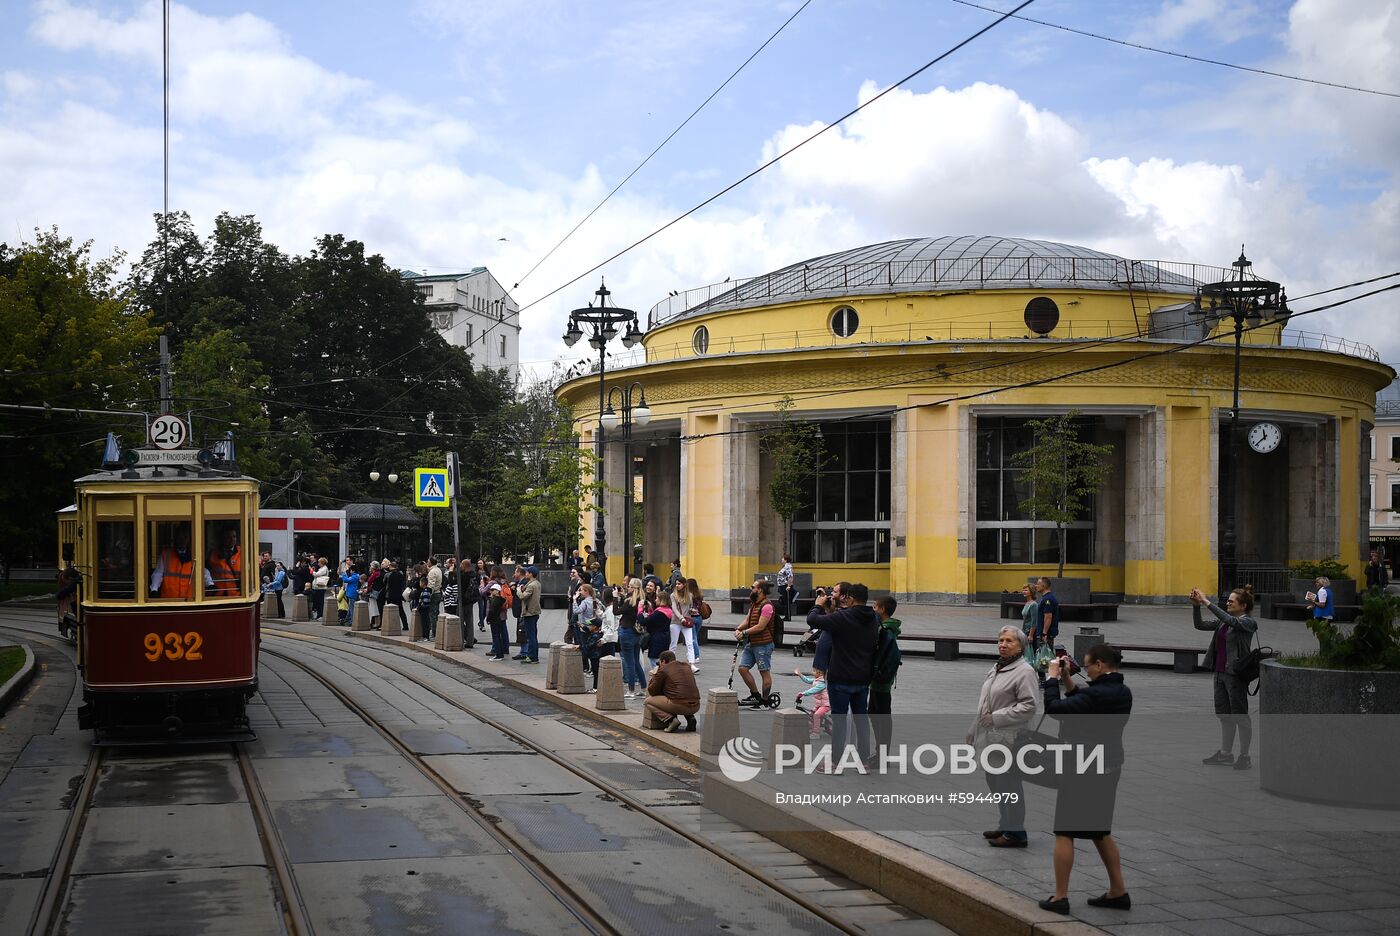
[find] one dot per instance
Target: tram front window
(116, 576)
(173, 561)
(225, 559)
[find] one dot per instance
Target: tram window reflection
(172, 560)
(224, 560)
(116, 575)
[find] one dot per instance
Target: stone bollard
(790, 726)
(300, 614)
(449, 634)
(359, 616)
(570, 670)
(415, 624)
(551, 672)
(389, 621)
(269, 608)
(650, 720)
(330, 610)
(721, 723)
(609, 697)
(1086, 638)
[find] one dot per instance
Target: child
(819, 697)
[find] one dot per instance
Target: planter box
(1069, 590)
(1330, 736)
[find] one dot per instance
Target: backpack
(887, 657)
(507, 596)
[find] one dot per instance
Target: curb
(16, 683)
(934, 888)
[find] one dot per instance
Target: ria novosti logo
(741, 759)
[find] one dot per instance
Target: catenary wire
(1182, 55)
(679, 127)
(792, 149)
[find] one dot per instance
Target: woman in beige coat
(1006, 704)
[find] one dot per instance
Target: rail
(800, 280)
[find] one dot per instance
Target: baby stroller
(808, 643)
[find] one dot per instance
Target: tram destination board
(146, 456)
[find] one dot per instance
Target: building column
(615, 477)
(899, 505)
(1144, 502)
(743, 496)
(661, 486)
(940, 544)
(1191, 503)
(703, 499)
(1314, 492)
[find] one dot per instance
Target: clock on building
(1264, 437)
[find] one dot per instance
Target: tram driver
(225, 560)
(173, 576)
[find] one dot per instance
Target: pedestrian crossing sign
(430, 487)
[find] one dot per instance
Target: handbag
(1027, 736)
(705, 611)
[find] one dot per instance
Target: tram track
(583, 773)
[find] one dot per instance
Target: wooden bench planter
(1299, 611)
(1097, 612)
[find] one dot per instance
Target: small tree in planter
(1372, 644)
(1064, 473)
(797, 457)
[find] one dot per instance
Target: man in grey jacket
(528, 594)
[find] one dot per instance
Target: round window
(700, 341)
(1042, 315)
(845, 321)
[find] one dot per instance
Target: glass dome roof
(940, 264)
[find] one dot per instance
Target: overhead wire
(1182, 55)
(787, 152)
(679, 127)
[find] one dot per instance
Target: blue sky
(432, 129)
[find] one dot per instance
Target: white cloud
(1225, 20)
(18, 84)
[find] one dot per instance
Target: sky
(449, 134)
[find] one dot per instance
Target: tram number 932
(174, 647)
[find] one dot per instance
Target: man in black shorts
(1089, 715)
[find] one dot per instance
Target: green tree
(796, 462)
(1064, 473)
(72, 343)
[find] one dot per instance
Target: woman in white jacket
(681, 623)
(1006, 704)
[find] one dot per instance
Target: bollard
(269, 608)
(650, 720)
(570, 670)
(359, 616)
(1086, 638)
(449, 635)
(790, 727)
(330, 610)
(609, 697)
(300, 613)
(389, 621)
(415, 624)
(551, 672)
(721, 722)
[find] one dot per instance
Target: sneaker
(694, 668)
(690, 723)
(1243, 762)
(530, 661)
(591, 691)
(1121, 902)
(673, 725)
(518, 656)
(1219, 758)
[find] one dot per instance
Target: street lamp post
(602, 321)
(638, 414)
(1242, 297)
(392, 478)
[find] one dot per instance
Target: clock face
(1264, 437)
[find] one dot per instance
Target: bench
(1300, 611)
(1183, 658)
(1096, 612)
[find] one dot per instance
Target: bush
(1331, 567)
(1374, 641)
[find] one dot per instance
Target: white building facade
(1385, 473)
(473, 311)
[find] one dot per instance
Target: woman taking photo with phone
(1234, 631)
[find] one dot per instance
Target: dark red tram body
(168, 620)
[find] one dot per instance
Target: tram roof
(162, 475)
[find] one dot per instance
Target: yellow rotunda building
(919, 362)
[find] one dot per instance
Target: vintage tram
(168, 611)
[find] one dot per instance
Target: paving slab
(340, 741)
(36, 788)
(72, 750)
(167, 782)
(480, 895)
(196, 902)
(466, 737)
(140, 838)
(29, 840)
(621, 771)
(392, 827)
(552, 734)
(479, 775)
(18, 901)
(559, 824)
(371, 777)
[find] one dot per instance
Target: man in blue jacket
(1108, 699)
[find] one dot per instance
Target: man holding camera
(854, 626)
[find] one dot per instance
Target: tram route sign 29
(430, 487)
(168, 431)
